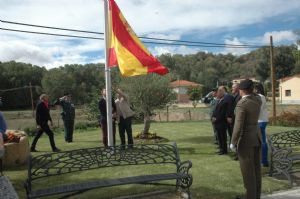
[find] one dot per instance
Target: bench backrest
(285, 139)
(52, 164)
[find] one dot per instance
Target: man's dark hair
(259, 89)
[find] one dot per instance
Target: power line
(19, 88)
(198, 45)
(148, 42)
(52, 34)
(50, 27)
(141, 37)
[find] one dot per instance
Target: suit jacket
(229, 99)
(246, 132)
(236, 99)
(42, 114)
(123, 107)
(102, 108)
(220, 113)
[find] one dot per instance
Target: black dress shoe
(56, 150)
(238, 197)
(33, 150)
(221, 153)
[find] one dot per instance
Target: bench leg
(183, 185)
(288, 176)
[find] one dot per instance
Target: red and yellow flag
(125, 48)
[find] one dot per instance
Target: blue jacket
(3, 125)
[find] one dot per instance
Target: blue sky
(219, 21)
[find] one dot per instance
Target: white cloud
(158, 50)
(174, 36)
(280, 36)
(187, 15)
(164, 19)
(235, 51)
(48, 53)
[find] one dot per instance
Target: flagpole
(108, 77)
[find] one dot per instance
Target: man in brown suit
(246, 139)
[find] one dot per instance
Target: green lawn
(215, 177)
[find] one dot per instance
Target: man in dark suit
(103, 118)
(229, 99)
(42, 118)
(219, 117)
(235, 90)
(246, 138)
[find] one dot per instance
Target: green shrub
(30, 131)
(286, 119)
(86, 125)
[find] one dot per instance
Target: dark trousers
(222, 137)
(44, 128)
(125, 125)
(214, 131)
(250, 168)
(69, 129)
(230, 130)
(103, 124)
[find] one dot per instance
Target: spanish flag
(125, 48)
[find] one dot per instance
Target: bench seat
(104, 183)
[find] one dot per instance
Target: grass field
(215, 177)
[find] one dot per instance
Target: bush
(287, 119)
(86, 125)
(30, 131)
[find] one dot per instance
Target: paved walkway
(6, 189)
(291, 194)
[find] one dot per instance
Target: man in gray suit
(246, 139)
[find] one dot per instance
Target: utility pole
(31, 96)
(273, 81)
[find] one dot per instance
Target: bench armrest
(280, 159)
(184, 167)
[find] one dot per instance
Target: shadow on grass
(211, 193)
(187, 150)
(198, 140)
(15, 168)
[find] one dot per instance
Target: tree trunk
(146, 125)
(194, 103)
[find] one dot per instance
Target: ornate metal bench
(53, 164)
(284, 157)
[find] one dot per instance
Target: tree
(56, 83)
(148, 93)
(195, 94)
(284, 62)
(14, 81)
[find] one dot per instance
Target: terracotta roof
(183, 83)
(288, 78)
